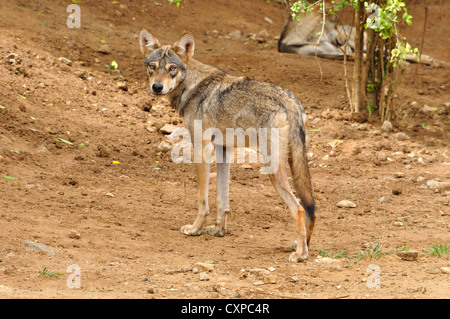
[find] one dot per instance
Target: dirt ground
(81, 171)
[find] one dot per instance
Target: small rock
(360, 117)
(399, 137)
(151, 290)
(325, 260)
(445, 270)
(263, 36)
(384, 200)
(38, 246)
(82, 74)
(315, 121)
(438, 186)
(271, 279)
(168, 129)
(235, 34)
(105, 49)
(13, 58)
(409, 255)
(122, 86)
(4, 288)
(293, 279)
(399, 174)
(74, 234)
(427, 109)
(203, 276)
(432, 184)
(110, 195)
(205, 267)
(65, 61)
(164, 147)
(267, 19)
(387, 126)
(258, 283)
(259, 272)
(346, 204)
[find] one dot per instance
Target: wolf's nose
(157, 88)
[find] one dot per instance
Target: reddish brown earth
(127, 200)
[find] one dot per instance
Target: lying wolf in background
(219, 100)
(301, 37)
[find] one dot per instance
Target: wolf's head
(166, 65)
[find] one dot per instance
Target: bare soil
(91, 184)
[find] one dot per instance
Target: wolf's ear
(185, 46)
(148, 42)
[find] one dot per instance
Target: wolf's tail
(298, 161)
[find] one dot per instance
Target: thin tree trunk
(358, 76)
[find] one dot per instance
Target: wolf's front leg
(203, 207)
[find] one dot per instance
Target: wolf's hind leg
(223, 201)
(281, 184)
(203, 207)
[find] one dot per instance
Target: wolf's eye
(151, 67)
(172, 68)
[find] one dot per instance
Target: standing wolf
(219, 100)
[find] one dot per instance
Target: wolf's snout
(157, 88)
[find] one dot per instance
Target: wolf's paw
(294, 245)
(218, 231)
(295, 257)
(190, 231)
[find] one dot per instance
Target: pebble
(263, 36)
(122, 86)
(293, 279)
(74, 234)
(331, 263)
(346, 204)
(203, 276)
(110, 195)
(4, 288)
(259, 272)
(271, 279)
(384, 200)
(445, 270)
(65, 61)
(267, 19)
(409, 255)
(387, 126)
(258, 283)
(399, 137)
(204, 267)
(164, 147)
(235, 34)
(105, 49)
(436, 185)
(82, 74)
(168, 129)
(38, 246)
